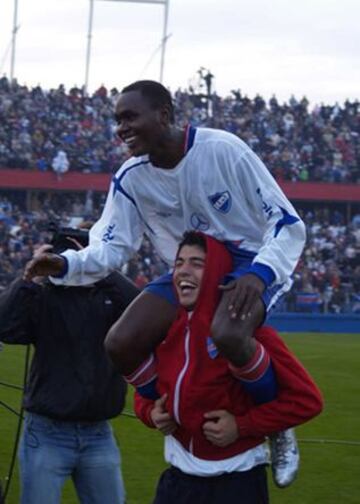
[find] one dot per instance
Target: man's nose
(184, 270)
(121, 129)
(118, 131)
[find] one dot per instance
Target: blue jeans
(51, 451)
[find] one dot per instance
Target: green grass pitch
(329, 445)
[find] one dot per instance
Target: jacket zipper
(181, 376)
(191, 446)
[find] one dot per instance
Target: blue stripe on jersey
(120, 188)
(190, 138)
(264, 272)
(270, 293)
(287, 220)
(240, 255)
(117, 181)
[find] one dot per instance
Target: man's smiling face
(188, 274)
(140, 125)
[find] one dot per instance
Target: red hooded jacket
(197, 379)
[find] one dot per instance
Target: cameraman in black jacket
(73, 389)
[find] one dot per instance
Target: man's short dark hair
(193, 238)
(155, 93)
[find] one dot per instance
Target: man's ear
(165, 115)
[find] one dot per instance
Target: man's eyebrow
(191, 258)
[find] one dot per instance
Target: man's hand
(161, 418)
(243, 294)
(46, 247)
(43, 264)
(220, 428)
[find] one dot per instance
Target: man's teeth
(129, 140)
(185, 286)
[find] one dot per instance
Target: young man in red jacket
(209, 410)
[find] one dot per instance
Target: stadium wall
(313, 322)
(77, 181)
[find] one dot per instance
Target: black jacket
(71, 377)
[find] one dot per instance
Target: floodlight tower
(13, 42)
(164, 39)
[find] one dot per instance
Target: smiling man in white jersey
(178, 180)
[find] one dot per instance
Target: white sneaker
(285, 457)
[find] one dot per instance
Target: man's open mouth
(130, 140)
(186, 286)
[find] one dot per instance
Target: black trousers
(247, 487)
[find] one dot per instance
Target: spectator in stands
(73, 389)
(344, 238)
(60, 164)
(295, 143)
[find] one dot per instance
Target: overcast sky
(280, 47)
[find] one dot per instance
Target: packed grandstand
(67, 131)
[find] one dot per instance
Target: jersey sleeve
(113, 239)
(284, 232)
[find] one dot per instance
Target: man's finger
(214, 439)
(211, 428)
(214, 414)
(75, 242)
(211, 436)
(161, 400)
(163, 417)
(227, 287)
(247, 307)
(237, 302)
(43, 249)
(160, 403)
(161, 423)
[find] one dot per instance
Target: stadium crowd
(327, 278)
(59, 130)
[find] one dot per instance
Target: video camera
(60, 237)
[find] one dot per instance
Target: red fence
(76, 181)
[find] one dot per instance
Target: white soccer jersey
(220, 187)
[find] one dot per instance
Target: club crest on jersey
(221, 201)
(211, 348)
(199, 222)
